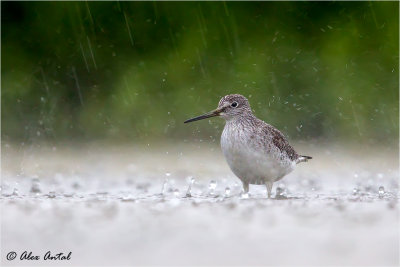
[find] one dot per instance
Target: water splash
(15, 192)
(128, 198)
(35, 187)
(212, 186)
(244, 195)
(227, 192)
(381, 192)
(281, 192)
(165, 184)
(189, 190)
(176, 192)
(164, 187)
(356, 191)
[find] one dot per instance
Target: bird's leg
(245, 187)
(269, 188)
(245, 193)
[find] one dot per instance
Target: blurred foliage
(137, 70)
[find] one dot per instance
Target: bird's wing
(279, 141)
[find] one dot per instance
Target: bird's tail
(303, 159)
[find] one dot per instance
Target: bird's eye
(234, 104)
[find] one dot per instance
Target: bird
(256, 152)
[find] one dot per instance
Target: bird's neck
(241, 119)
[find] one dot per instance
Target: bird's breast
(248, 157)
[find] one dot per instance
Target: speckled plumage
(256, 152)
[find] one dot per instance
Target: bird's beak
(210, 114)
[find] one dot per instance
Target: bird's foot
(244, 195)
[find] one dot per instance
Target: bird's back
(276, 139)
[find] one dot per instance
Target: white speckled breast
(251, 156)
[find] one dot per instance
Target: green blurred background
(136, 70)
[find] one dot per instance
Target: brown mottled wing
(279, 140)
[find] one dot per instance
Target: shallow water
(180, 205)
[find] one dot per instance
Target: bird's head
(229, 107)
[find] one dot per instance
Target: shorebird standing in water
(256, 152)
